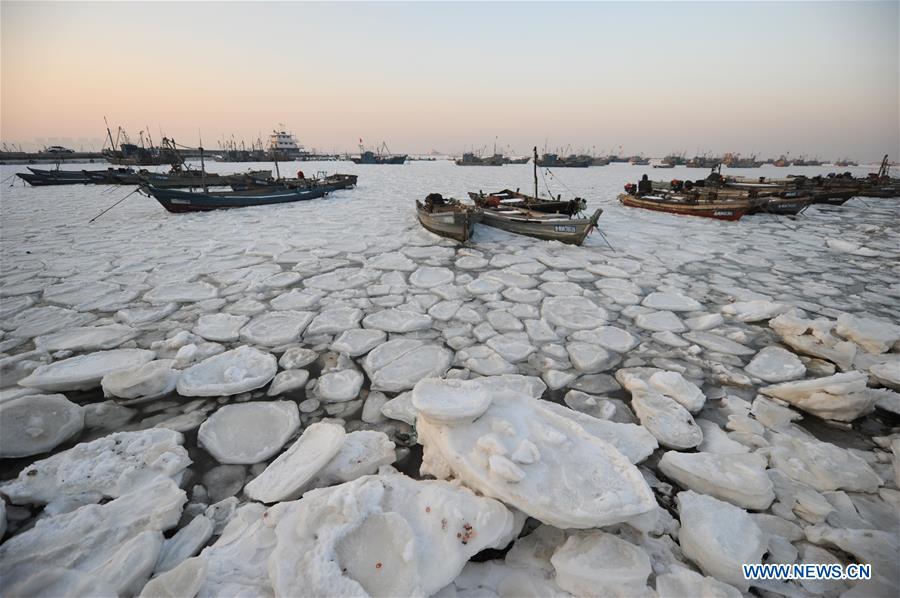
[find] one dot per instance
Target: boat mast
(275, 155)
(535, 172)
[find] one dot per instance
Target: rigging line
(136, 189)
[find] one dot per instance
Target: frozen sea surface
(730, 380)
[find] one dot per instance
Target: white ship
(285, 145)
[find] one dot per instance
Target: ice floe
(228, 373)
(248, 433)
(85, 371)
(34, 424)
(527, 456)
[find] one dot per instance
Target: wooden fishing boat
(333, 182)
(689, 206)
(195, 179)
(177, 201)
(532, 216)
(541, 225)
(786, 204)
(448, 217)
(42, 180)
(508, 198)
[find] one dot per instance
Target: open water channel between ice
(641, 414)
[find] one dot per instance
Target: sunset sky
(813, 78)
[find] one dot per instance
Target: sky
(809, 78)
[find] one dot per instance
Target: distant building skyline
(817, 79)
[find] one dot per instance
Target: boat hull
(790, 206)
(37, 180)
(458, 224)
(515, 199)
(572, 231)
(716, 211)
(184, 201)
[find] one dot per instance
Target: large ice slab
(544, 464)
(872, 335)
(276, 328)
(107, 467)
(719, 537)
(35, 424)
(397, 320)
(295, 467)
(822, 465)
(86, 338)
(149, 381)
(228, 373)
(737, 478)
(576, 313)
(398, 364)
(221, 327)
(600, 564)
(84, 372)
(117, 543)
(248, 433)
(670, 302)
(384, 535)
(842, 397)
(774, 364)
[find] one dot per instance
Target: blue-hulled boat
(177, 201)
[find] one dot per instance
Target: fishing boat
(557, 161)
(514, 199)
(195, 179)
(470, 159)
(332, 182)
(532, 216)
(382, 156)
(177, 201)
(687, 205)
(639, 161)
(53, 177)
(448, 217)
(518, 160)
(789, 204)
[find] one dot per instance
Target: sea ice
(220, 327)
(86, 338)
(873, 336)
(822, 465)
(670, 302)
(576, 313)
(736, 478)
(276, 328)
(754, 311)
(84, 372)
(397, 320)
(719, 537)
(142, 383)
(843, 397)
(34, 424)
(247, 433)
(546, 465)
(338, 386)
(717, 343)
(398, 364)
(107, 467)
(427, 277)
(287, 475)
(287, 381)
(660, 321)
(181, 292)
(384, 535)
(674, 386)
(601, 564)
(666, 419)
(335, 321)
(228, 373)
(680, 582)
(116, 543)
(774, 364)
(450, 402)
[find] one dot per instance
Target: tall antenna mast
(535, 172)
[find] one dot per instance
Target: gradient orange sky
(771, 77)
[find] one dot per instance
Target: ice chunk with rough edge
(736, 478)
(289, 473)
